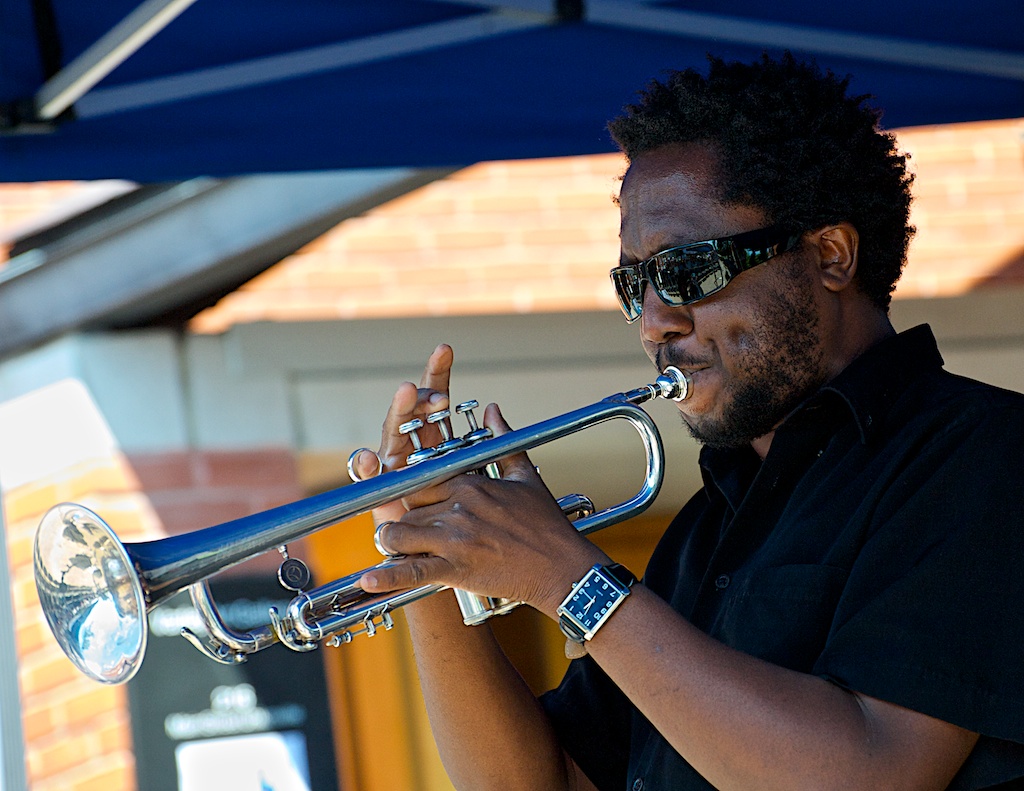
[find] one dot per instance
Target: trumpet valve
(475, 433)
(370, 622)
(420, 453)
(441, 420)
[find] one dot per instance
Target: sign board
(197, 725)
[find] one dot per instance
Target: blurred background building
(263, 223)
(186, 400)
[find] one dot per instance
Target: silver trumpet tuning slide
(96, 591)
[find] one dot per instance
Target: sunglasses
(688, 273)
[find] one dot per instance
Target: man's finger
(517, 467)
(437, 374)
(399, 537)
(364, 464)
(402, 409)
(407, 572)
(431, 494)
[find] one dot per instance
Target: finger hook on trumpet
(378, 540)
(351, 464)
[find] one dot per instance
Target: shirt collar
(871, 384)
(866, 390)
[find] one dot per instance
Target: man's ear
(837, 250)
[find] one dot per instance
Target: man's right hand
(409, 402)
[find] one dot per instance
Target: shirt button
(722, 581)
(638, 784)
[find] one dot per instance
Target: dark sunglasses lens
(685, 276)
(629, 288)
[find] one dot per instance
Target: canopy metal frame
(121, 42)
(62, 91)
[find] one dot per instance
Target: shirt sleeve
(591, 717)
(931, 616)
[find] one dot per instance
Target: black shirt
(879, 545)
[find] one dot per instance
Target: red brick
(382, 242)
(117, 774)
(450, 223)
(156, 471)
(186, 514)
(37, 724)
(29, 500)
(57, 758)
(33, 635)
(115, 737)
(49, 675)
(108, 475)
(19, 550)
(92, 702)
(503, 203)
(249, 469)
(23, 593)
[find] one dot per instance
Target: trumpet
(96, 591)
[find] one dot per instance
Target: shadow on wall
(1010, 272)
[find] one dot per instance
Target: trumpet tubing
(96, 591)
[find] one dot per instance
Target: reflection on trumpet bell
(89, 592)
(96, 591)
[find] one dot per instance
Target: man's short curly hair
(791, 142)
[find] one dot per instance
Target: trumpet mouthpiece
(674, 384)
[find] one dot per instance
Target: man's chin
(705, 434)
(715, 435)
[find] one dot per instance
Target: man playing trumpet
(840, 605)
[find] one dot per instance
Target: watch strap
(620, 574)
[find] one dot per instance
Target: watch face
(591, 601)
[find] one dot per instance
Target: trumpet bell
(90, 593)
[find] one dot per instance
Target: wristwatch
(593, 600)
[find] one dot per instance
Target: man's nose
(659, 322)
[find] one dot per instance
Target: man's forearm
(744, 723)
(481, 710)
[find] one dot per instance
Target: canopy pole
(121, 42)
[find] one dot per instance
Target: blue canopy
(244, 86)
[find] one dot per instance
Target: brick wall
(189, 490)
(968, 208)
(77, 732)
(540, 236)
(496, 237)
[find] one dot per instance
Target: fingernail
(437, 398)
(370, 580)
